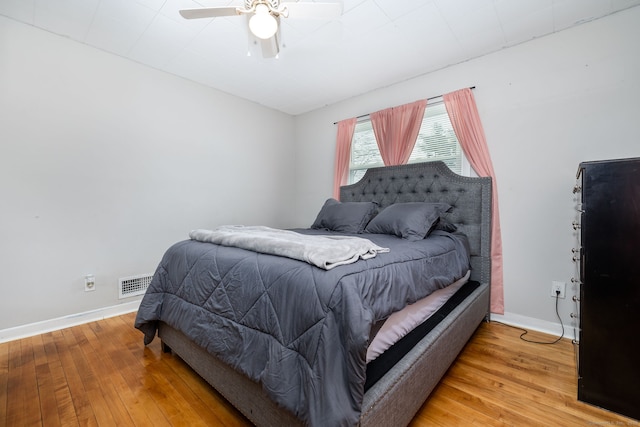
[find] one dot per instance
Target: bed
(403, 381)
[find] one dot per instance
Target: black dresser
(609, 347)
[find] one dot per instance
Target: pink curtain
(343, 154)
(396, 130)
(461, 107)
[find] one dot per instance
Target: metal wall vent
(133, 285)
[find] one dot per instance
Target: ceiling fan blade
(209, 12)
(270, 47)
(314, 10)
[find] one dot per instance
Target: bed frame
(399, 394)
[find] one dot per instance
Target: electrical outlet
(89, 283)
(558, 287)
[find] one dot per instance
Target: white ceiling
(374, 44)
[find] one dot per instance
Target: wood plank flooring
(101, 374)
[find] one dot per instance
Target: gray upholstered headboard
(435, 182)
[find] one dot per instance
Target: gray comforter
(300, 331)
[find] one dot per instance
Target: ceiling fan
(263, 17)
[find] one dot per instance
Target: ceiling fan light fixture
(262, 24)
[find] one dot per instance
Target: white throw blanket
(325, 251)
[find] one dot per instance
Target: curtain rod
(428, 99)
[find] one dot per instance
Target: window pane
(436, 141)
(364, 151)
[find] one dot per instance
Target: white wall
(546, 105)
(104, 163)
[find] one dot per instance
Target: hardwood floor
(100, 374)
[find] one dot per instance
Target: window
(436, 141)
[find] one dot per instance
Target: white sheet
(404, 321)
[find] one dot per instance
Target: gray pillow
(412, 221)
(444, 225)
(348, 217)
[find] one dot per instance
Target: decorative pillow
(411, 221)
(348, 217)
(444, 225)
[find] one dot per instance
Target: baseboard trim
(530, 323)
(37, 328)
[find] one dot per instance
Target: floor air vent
(133, 285)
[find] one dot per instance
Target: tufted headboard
(435, 182)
